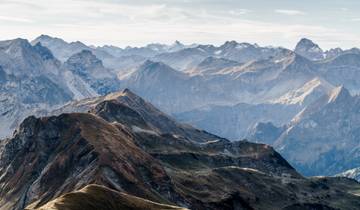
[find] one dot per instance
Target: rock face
(127, 145)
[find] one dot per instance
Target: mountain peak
(177, 42)
(45, 39)
(85, 63)
(339, 93)
(15, 44)
(152, 65)
(307, 42)
(130, 94)
(85, 57)
(228, 44)
(44, 36)
(307, 48)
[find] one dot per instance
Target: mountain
(30, 80)
(124, 144)
(158, 121)
(91, 70)
(94, 197)
(310, 50)
(328, 128)
(61, 154)
(33, 80)
(168, 88)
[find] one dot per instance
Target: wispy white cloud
(355, 19)
(239, 11)
(15, 19)
(289, 12)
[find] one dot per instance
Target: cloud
(289, 12)
(239, 11)
(355, 20)
(15, 19)
(137, 23)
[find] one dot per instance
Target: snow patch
(141, 130)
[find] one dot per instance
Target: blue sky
(330, 23)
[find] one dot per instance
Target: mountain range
(297, 100)
(122, 152)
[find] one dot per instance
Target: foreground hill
(125, 144)
(95, 197)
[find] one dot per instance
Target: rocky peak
(308, 49)
(84, 59)
(47, 40)
(158, 68)
(43, 37)
(17, 47)
(334, 52)
(232, 43)
(235, 45)
(177, 45)
(345, 59)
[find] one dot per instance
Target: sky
(330, 23)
